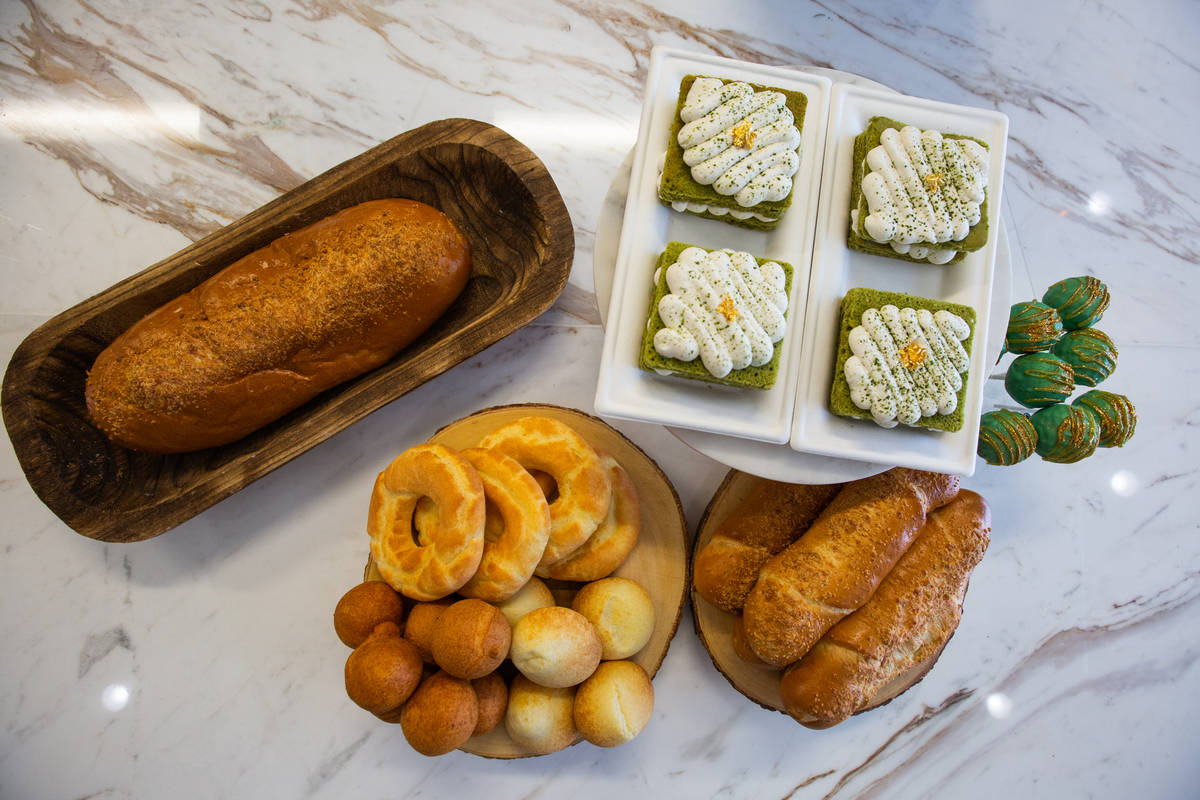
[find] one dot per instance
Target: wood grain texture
(759, 683)
(659, 562)
(493, 187)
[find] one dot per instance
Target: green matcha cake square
(933, 181)
(729, 309)
(914, 358)
(760, 134)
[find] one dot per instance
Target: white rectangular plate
(836, 269)
(624, 390)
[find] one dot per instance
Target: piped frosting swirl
(741, 142)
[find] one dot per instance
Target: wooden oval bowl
(659, 562)
(522, 245)
(758, 682)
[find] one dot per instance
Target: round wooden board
(659, 563)
(760, 683)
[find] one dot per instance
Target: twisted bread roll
(908, 620)
(763, 524)
(835, 566)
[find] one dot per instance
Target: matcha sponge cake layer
(717, 316)
(917, 195)
(902, 358)
(733, 151)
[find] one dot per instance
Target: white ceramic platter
(836, 268)
(627, 392)
(776, 462)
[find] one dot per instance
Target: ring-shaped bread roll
(613, 541)
(445, 558)
(584, 486)
(516, 530)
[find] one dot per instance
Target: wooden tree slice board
(759, 682)
(659, 562)
(522, 245)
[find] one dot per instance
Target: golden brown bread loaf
(768, 520)
(835, 566)
(279, 326)
(908, 620)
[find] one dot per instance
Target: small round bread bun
(622, 613)
(364, 607)
(555, 647)
(614, 705)
(539, 718)
(383, 671)
(421, 623)
(515, 531)
(441, 715)
(470, 639)
(492, 692)
(434, 565)
(614, 539)
(584, 487)
(534, 594)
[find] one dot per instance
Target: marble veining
(202, 663)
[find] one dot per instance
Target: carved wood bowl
(493, 187)
(659, 562)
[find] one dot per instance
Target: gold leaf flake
(912, 355)
(933, 181)
(743, 137)
(727, 310)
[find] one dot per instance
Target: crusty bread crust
(276, 328)
(771, 517)
(908, 620)
(836, 565)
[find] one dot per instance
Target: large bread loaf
(769, 519)
(906, 622)
(836, 565)
(268, 333)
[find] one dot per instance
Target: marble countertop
(203, 663)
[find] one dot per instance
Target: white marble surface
(203, 663)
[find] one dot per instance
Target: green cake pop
(1039, 379)
(1114, 412)
(1006, 437)
(1091, 354)
(1066, 433)
(1032, 326)
(1080, 301)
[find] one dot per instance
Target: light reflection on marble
(203, 663)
